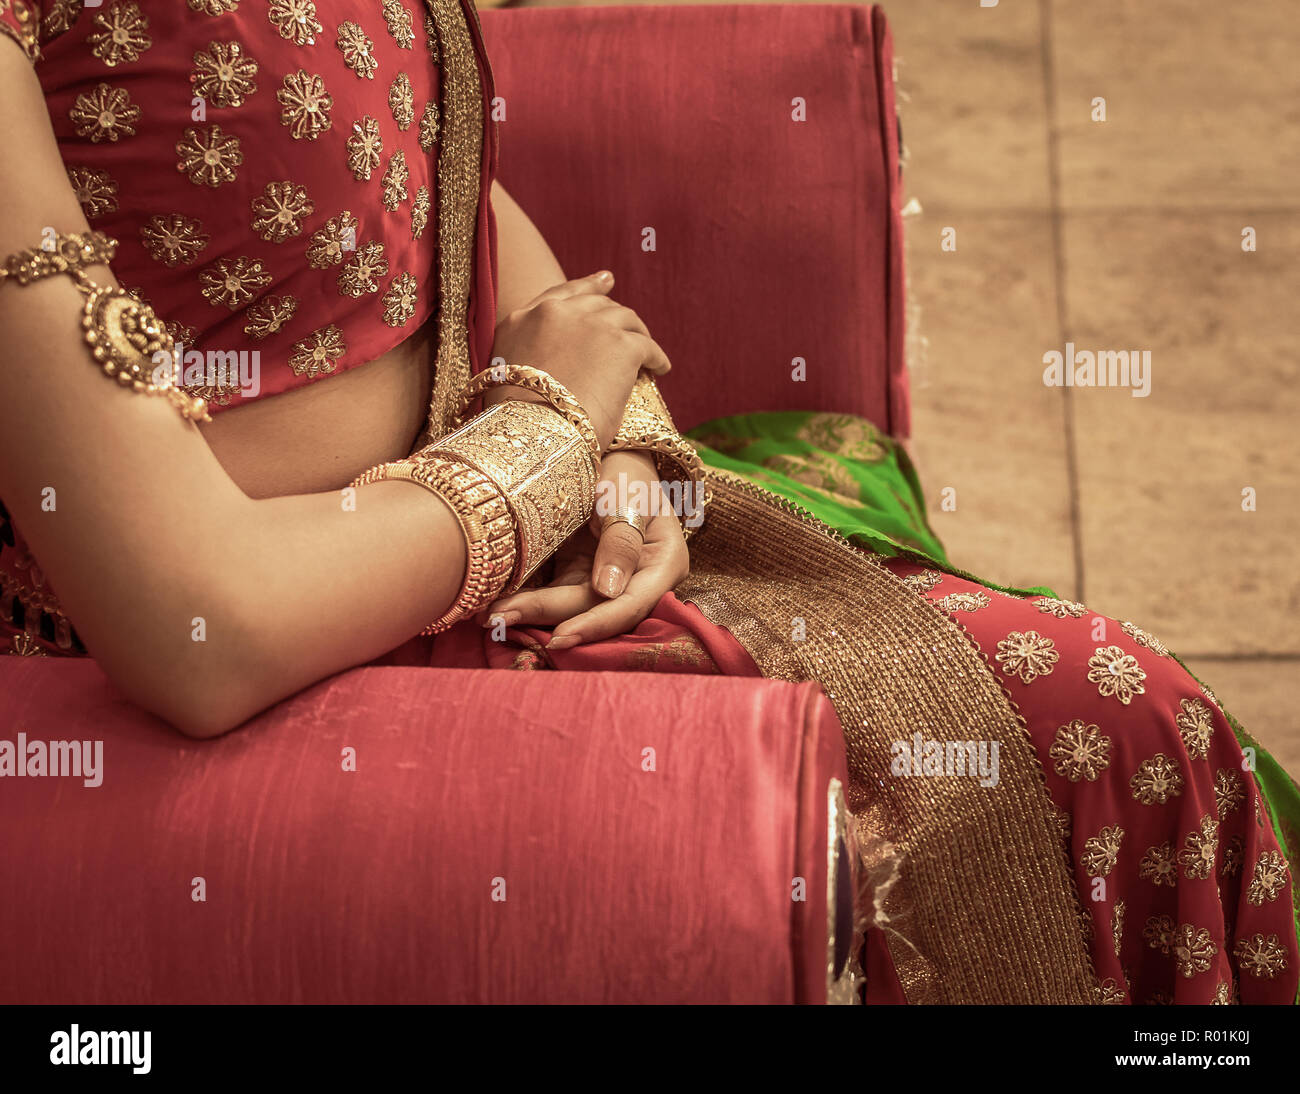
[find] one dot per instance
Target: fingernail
(610, 581)
(564, 641)
(604, 275)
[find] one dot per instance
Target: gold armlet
(126, 338)
(483, 516)
(557, 396)
(648, 427)
(542, 465)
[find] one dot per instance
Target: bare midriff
(321, 436)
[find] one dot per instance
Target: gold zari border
(973, 887)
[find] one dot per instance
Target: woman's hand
(594, 346)
(606, 583)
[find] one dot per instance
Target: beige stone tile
(1200, 102)
(1165, 540)
(983, 423)
(1261, 696)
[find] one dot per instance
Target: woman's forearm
(526, 265)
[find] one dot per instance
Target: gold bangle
(647, 426)
(557, 396)
(483, 516)
(125, 335)
(541, 465)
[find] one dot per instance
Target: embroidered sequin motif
(209, 157)
(105, 114)
(364, 148)
(400, 24)
(295, 20)
(329, 243)
(213, 7)
(1028, 655)
(1197, 856)
(393, 186)
(419, 212)
(429, 127)
(1156, 780)
(401, 101)
(923, 581)
(1158, 866)
(306, 105)
(357, 49)
(1062, 609)
(1196, 727)
(1101, 852)
(59, 17)
(121, 34)
(399, 300)
(963, 602)
(1234, 854)
(1261, 956)
(1269, 879)
(1116, 673)
(1229, 792)
(173, 240)
(233, 282)
(361, 272)
(96, 190)
(1081, 751)
(269, 316)
(279, 212)
(1117, 925)
(223, 74)
(1142, 638)
(319, 352)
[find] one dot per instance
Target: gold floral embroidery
(332, 240)
(1028, 655)
(213, 7)
(963, 602)
(208, 156)
(420, 212)
(429, 127)
(359, 275)
(174, 240)
(923, 581)
(1233, 856)
(1229, 792)
(233, 283)
(318, 352)
(279, 212)
(1109, 993)
(1101, 852)
(1062, 609)
(24, 645)
(364, 147)
(223, 74)
(399, 300)
(1159, 933)
(1142, 638)
(105, 114)
(1269, 879)
(1081, 751)
(268, 316)
(121, 35)
(1156, 780)
(1260, 956)
(306, 105)
(401, 101)
(399, 23)
(431, 39)
(684, 650)
(96, 190)
(295, 20)
(1197, 857)
(1117, 925)
(1209, 695)
(357, 49)
(1158, 866)
(1196, 727)
(59, 17)
(1116, 673)
(393, 186)
(1192, 950)
(1222, 993)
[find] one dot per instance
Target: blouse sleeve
(20, 20)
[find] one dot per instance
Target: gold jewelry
(124, 334)
(484, 518)
(648, 427)
(540, 463)
(626, 514)
(557, 396)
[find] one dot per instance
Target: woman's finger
(618, 554)
(545, 606)
(618, 616)
(600, 282)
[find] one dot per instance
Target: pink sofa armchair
(406, 834)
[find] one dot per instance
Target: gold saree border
(972, 886)
(458, 171)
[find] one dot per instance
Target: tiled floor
(1116, 234)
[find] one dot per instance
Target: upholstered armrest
(411, 834)
(736, 166)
